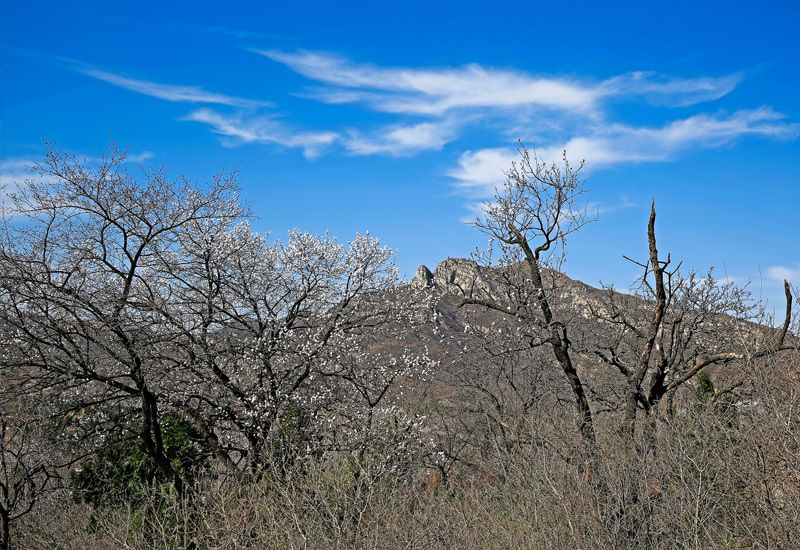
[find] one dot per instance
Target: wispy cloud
(430, 91)
(248, 124)
(479, 171)
(476, 210)
(606, 208)
(168, 92)
(780, 273)
(12, 172)
(262, 129)
(140, 157)
(402, 139)
(393, 140)
(570, 110)
(15, 170)
(670, 91)
(432, 107)
(434, 91)
(618, 143)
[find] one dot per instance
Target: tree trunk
(151, 436)
(5, 531)
(560, 343)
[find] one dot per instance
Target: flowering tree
(277, 329)
(128, 300)
(83, 274)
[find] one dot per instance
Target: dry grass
(709, 486)
(714, 481)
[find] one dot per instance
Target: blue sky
(398, 118)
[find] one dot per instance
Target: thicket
(172, 379)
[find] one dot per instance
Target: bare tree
(82, 274)
(29, 457)
(132, 298)
(675, 327)
(696, 322)
(531, 216)
(24, 473)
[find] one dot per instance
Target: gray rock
(423, 278)
(461, 276)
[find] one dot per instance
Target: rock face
(459, 276)
(455, 273)
(455, 276)
(423, 278)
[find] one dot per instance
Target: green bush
(121, 472)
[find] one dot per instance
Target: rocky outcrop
(457, 277)
(423, 278)
(461, 276)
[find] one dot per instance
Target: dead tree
(675, 326)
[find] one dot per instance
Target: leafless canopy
(128, 297)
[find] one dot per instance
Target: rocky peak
(423, 278)
(458, 275)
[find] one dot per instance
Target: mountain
(704, 318)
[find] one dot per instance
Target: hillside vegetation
(173, 379)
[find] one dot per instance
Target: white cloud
(244, 126)
(556, 105)
(394, 140)
(13, 171)
(262, 129)
(168, 92)
(619, 143)
(15, 165)
(476, 210)
(437, 103)
(434, 91)
(140, 157)
(782, 273)
(401, 139)
(662, 90)
(479, 171)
